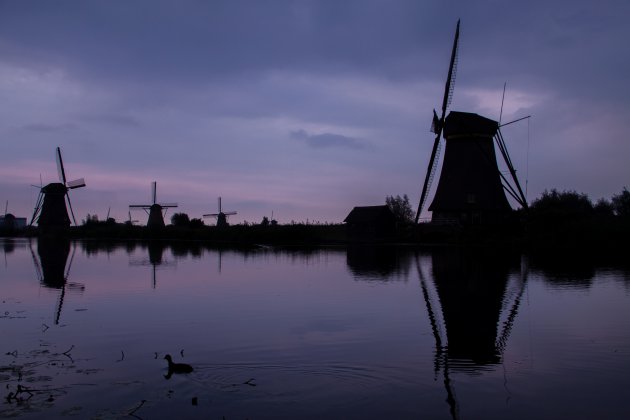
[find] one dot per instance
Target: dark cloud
(327, 140)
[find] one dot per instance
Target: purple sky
(303, 108)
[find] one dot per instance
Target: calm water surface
(362, 333)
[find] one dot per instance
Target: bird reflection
(51, 268)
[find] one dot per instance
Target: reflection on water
(378, 262)
(471, 287)
(50, 264)
(363, 332)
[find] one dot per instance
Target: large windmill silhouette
(50, 210)
(154, 210)
(471, 188)
(221, 216)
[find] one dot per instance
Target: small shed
(371, 222)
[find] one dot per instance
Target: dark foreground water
(363, 333)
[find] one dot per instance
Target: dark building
(370, 222)
(469, 190)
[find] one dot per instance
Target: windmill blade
(154, 192)
(230, 213)
(77, 183)
(439, 124)
(219, 204)
(165, 205)
(140, 206)
(450, 80)
(427, 177)
(71, 211)
(38, 207)
(60, 169)
(522, 200)
(211, 215)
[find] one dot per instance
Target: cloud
(45, 128)
(112, 119)
(243, 93)
(327, 140)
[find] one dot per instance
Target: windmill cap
(468, 124)
(55, 188)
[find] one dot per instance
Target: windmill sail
(437, 125)
(77, 183)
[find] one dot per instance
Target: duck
(177, 367)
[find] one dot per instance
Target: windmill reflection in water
(50, 265)
(154, 259)
(472, 297)
(472, 301)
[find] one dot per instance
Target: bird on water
(176, 367)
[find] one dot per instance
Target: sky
(300, 109)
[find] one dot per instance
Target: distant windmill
(221, 216)
(131, 222)
(154, 210)
(50, 210)
(471, 186)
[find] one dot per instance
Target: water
(363, 333)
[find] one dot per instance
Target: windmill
(221, 216)
(154, 210)
(471, 188)
(50, 209)
(131, 222)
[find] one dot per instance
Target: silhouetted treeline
(571, 219)
(557, 219)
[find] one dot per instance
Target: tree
(196, 223)
(603, 208)
(564, 204)
(401, 207)
(621, 203)
(180, 220)
(265, 221)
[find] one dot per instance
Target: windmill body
(50, 210)
(469, 189)
(54, 211)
